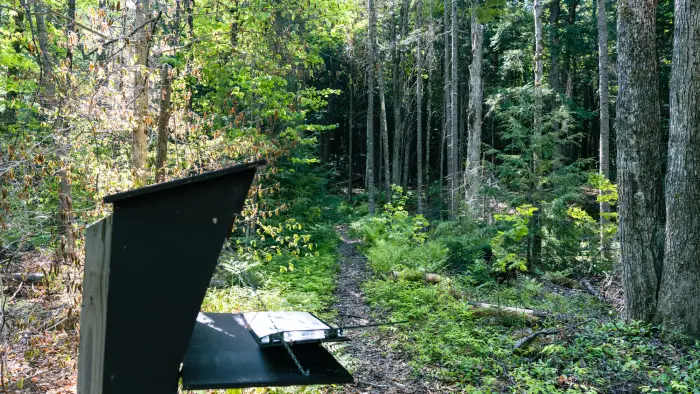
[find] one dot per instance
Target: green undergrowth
(467, 349)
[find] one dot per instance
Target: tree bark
(139, 148)
(536, 247)
(453, 144)
(555, 70)
(351, 125)
(447, 125)
(166, 89)
(50, 101)
(419, 107)
(369, 166)
(9, 115)
(639, 158)
(678, 306)
(476, 98)
(385, 134)
(604, 147)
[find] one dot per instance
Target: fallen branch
(592, 290)
(524, 341)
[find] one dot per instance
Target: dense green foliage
(471, 350)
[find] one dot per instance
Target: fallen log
(592, 290)
(27, 278)
(415, 276)
(530, 314)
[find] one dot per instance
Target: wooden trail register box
(147, 269)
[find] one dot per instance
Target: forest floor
(377, 368)
(40, 339)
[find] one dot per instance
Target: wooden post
(93, 316)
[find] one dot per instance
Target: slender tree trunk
(166, 89)
(428, 132)
(9, 116)
(396, 100)
(536, 250)
(51, 102)
(351, 125)
(447, 117)
(453, 144)
(419, 106)
(555, 68)
(476, 98)
(370, 105)
(678, 307)
(139, 149)
(604, 148)
(639, 158)
(408, 139)
(385, 134)
(570, 70)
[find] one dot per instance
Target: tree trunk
(385, 134)
(569, 70)
(9, 116)
(419, 107)
(51, 103)
(351, 124)
(139, 149)
(535, 227)
(555, 70)
(678, 306)
(396, 87)
(476, 98)
(453, 143)
(639, 158)
(429, 105)
(166, 89)
(447, 125)
(369, 166)
(604, 148)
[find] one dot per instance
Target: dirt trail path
(376, 367)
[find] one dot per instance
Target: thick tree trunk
(139, 147)
(639, 158)
(678, 306)
(604, 148)
(369, 166)
(453, 143)
(476, 98)
(166, 89)
(419, 107)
